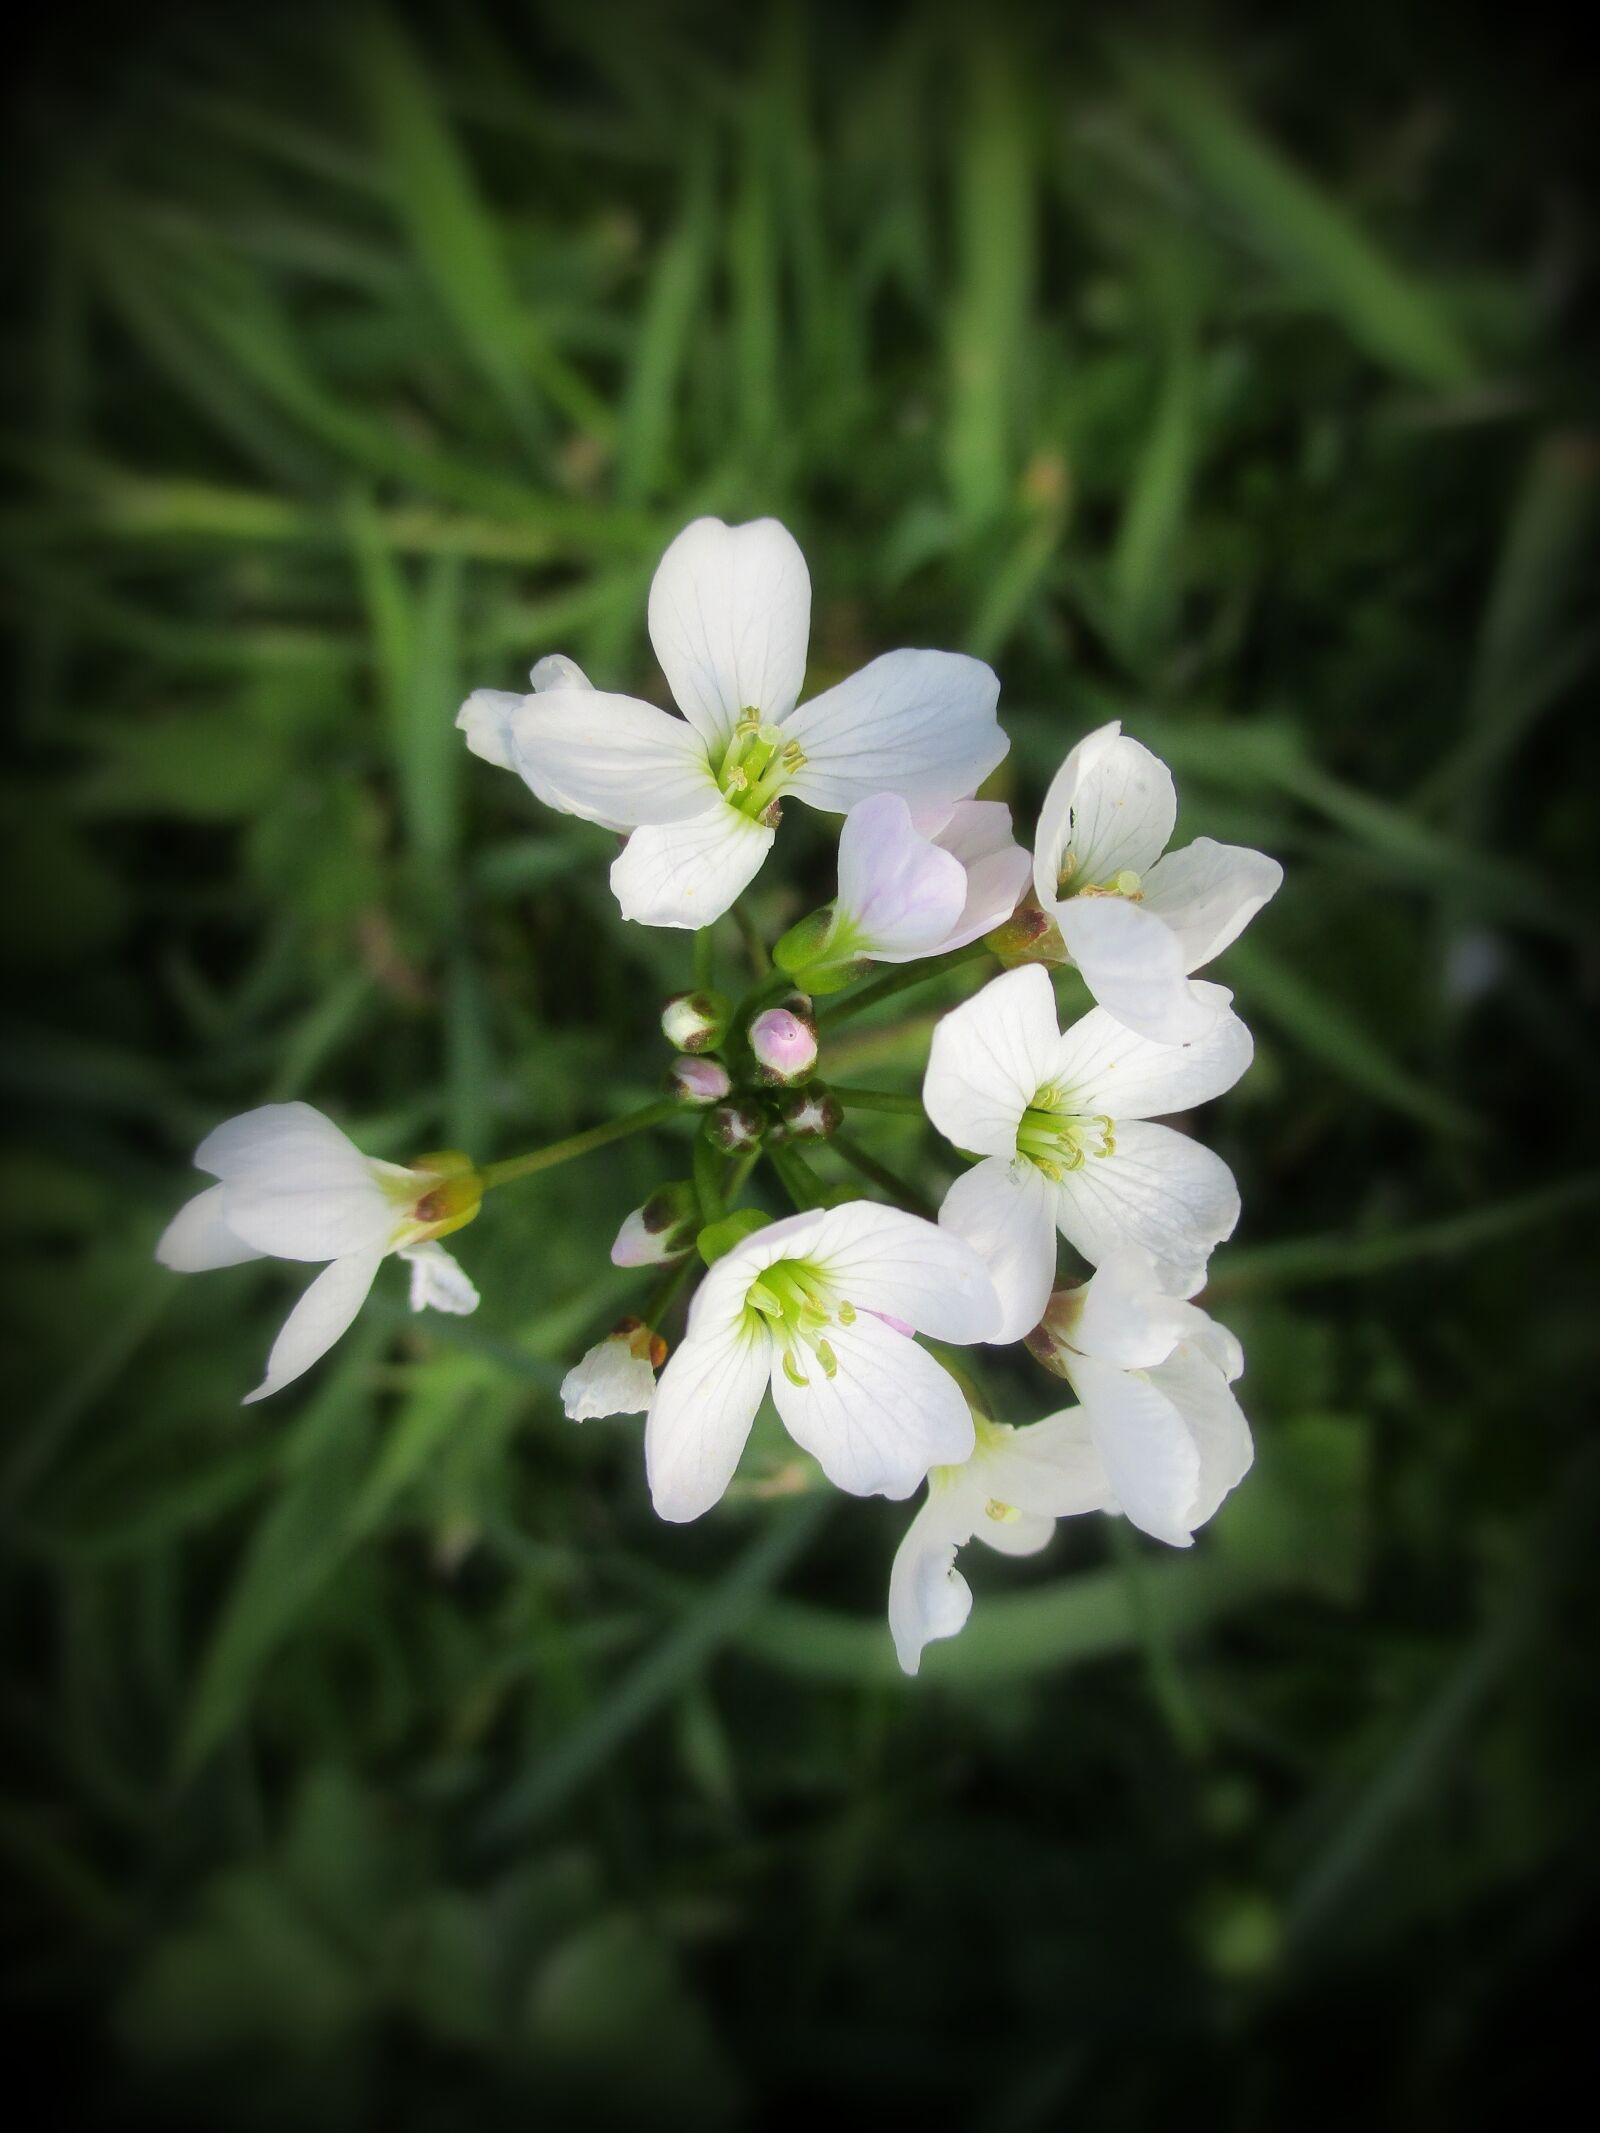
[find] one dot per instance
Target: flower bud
(820, 952)
(664, 1228)
(785, 1048)
(617, 1376)
(695, 1021)
(1051, 1338)
(1029, 935)
(809, 1113)
(698, 1081)
(736, 1125)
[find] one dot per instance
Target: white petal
(686, 874)
(295, 1186)
(610, 759)
(1160, 1191)
(989, 1058)
(886, 1416)
(1049, 1470)
(1103, 1067)
(1110, 806)
(1208, 893)
(700, 1418)
(896, 1264)
(1133, 964)
(900, 893)
(921, 724)
(608, 1379)
(1215, 1422)
(979, 835)
(1125, 1317)
(1150, 1457)
(1004, 1211)
(439, 1282)
(730, 616)
(928, 1596)
(485, 718)
(324, 1312)
(557, 671)
(198, 1237)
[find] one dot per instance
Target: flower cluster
(845, 1309)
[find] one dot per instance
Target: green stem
(705, 959)
(898, 980)
(616, 1129)
(794, 1176)
(877, 1100)
(708, 1181)
(755, 946)
(879, 1174)
(665, 1289)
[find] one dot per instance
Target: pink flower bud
(785, 1048)
(698, 1081)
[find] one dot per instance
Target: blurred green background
(373, 1758)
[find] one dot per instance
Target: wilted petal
(614, 1377)
(730, 616)
(928, 1596)
(686, 874)
(921, 724)
(324, 1312)
(439, 1282)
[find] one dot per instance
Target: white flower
(617, 1376)
(910, 888)
(1009, 1495)
(1135, 923)
(822, 1306)
(292, 1186)
(730, 616)
(1153, 1375)
(1061, 1122)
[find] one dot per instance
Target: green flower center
(756, 765)
(1123, 883)
(1057, 1140)
(796, 1304)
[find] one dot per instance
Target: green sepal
(719, 1238)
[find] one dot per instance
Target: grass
(373, 1757)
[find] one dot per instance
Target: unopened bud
(820, 952)
(698, 1081)
(1030, 935)
(784, 1047)
(664, 1228)
(810, 1113)
(736, 1125)
(695, 1021)
(1051, 1339)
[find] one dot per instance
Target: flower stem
(898, 980)
(705, 959)
(708, 1181)
(616, 1129)
(879, 1174)
(755, 946)
(877, 1100)
(795, 1177)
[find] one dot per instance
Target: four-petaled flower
(1061, 1122)
(1153, 1376)
(822, 1306)
(292, 1186)
(1135, 923)
(730, 617)
(1009, 1494)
